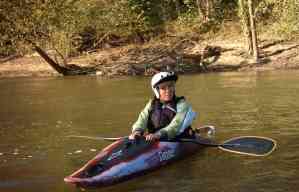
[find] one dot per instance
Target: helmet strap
(156, 91)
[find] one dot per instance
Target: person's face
(166, 90)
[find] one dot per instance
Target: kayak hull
(125, 159)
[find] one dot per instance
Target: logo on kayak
(163, 155)
(166, 154)
(115, 155)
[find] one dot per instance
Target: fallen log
(66, 69)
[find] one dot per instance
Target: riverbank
(179, 54)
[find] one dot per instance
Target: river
(38, 114)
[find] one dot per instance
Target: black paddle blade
(249, 145)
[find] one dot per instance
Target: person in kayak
(166, 116)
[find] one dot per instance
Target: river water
(38, 114)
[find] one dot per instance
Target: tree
(253, 31)
(247, 16)
(244, 17)
(204, 9)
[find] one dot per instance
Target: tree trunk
(203, 7)
(199, 8)
(49, 60)
(253, 31)
(177, 7)
(245, 25)
(65, 70)
(208, 9)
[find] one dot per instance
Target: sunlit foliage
(75, 26)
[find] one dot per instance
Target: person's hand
(134, 135)
(152, 137)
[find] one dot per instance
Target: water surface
(37, 115)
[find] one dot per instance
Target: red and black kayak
(125, 159)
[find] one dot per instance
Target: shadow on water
(37, 115)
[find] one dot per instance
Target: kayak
(125, 159)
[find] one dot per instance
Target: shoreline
(143, 60)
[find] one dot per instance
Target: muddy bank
(181, 55)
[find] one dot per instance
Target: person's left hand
(152, 137)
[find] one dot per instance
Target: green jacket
(174, 128)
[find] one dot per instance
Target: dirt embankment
(183, 56)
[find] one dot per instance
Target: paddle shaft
(208, 144)
(240, 148)
(182, 140)
(97, 138)
(246, 145)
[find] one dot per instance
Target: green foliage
(150, 9)
(73, 26)
(282, 15)
(289, 22)
(33, 20)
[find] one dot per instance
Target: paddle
(97, 138)
(207, 129)
(247, 145)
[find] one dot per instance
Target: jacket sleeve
(173, 129)
(141, 123)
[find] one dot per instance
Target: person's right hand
(152, 137)
(134, 134)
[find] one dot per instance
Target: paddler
(165, 116)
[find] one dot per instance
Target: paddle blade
(249, 145)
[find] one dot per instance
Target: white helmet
(160, 78)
